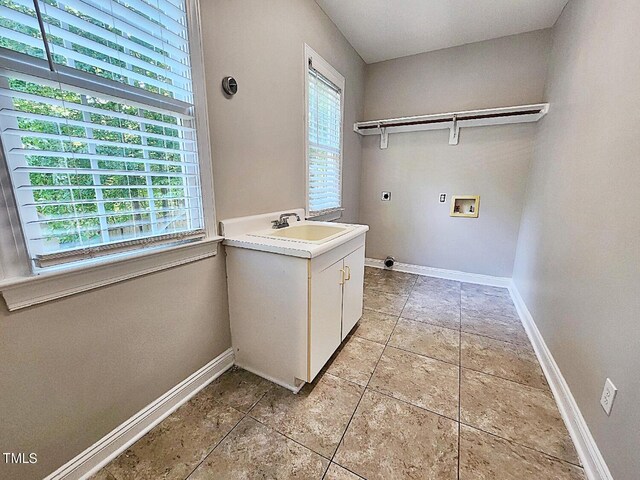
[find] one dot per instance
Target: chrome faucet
(284, 220)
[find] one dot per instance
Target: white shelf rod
(452, 121)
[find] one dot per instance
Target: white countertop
(241, 233)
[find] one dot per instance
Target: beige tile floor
(437, 381)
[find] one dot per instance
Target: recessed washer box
(465, 206)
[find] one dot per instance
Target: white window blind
(97, 125)
(324, 142)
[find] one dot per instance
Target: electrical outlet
(385, 197)
(608, 395)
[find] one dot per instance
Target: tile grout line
(244, 415)
(364, 390)
(512, 344)
(447, 418)
(400, 400)
(459, 364)
(514, 442)
(217, 444)
(390, 396)
(106, 467)
(525, 345)
(460, 369)
(344, 468)
(423, 355)
(248, 414)
(434, 324)
(510, 441)
(331, 460)
(547, 390)
(288, 437)
(431, 323)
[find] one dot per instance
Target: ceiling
(385, 29)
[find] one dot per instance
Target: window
(325, 92)
(97, 123)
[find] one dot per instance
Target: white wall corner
(594, 465)
(122, 437)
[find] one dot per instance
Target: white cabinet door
(353, 289)
(326, 313)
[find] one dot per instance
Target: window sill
(328, 216)
(27, 291)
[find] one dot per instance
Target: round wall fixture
(230, 86)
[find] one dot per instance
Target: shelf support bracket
(384, 138)
(454, 131)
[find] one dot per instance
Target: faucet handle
(283, 222)
(286, 215)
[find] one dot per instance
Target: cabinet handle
(349, 272)
(342, 276)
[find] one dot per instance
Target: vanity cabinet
(336, 303)
(353, 290)
(290, 314)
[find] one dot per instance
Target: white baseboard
(122, 437)
(594, 465)
(442, 273)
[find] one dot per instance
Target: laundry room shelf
(452, 121)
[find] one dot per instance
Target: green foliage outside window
(132, 200)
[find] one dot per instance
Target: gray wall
(258, 149)
(578, 258)
(489, 161)
(74, 369)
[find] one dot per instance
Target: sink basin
(306, 232)
(309, 233)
